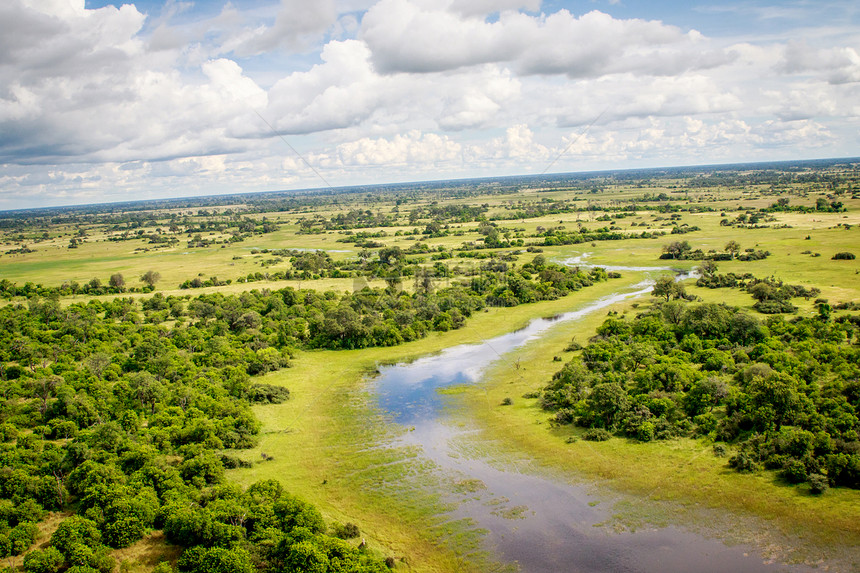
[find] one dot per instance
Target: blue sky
(105, 101)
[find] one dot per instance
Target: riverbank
(679, 482)
(326, 443)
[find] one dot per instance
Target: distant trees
(677, 249)
(733, 248)
(117, 281)
(150, 278)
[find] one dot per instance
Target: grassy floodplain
(682, 477)
(330, 445)
(325, 443)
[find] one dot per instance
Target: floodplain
(319, 292)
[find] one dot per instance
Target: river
(533, 520)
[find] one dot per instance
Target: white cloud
(518, 143)
(87, 89)
(119, 103)
(297, 25)
(414, 148)
(485, 7)
(407, 37)
(837, 65)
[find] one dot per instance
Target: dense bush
(785, 393)
(127, 424)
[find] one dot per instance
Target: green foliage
(785, 392)
(345, 531)
(127, 427)
(74, 533)
(48, 560)
(22, 536)
(669, 288)
(596, 435)
(818, 484)
(843, 256)
(214, 560)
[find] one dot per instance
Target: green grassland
(331, 446)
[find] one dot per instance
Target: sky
(103, 101)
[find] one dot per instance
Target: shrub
(22, 536)
(507, 402)
(345, 531)
(818, 484)
(743, 462)
(795, 472)
(268, 394)
(73, 532)
(214, 559)
(844, 256)
(596, 435)
(43, 561)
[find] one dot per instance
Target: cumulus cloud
(62, 39)
(344, 92)
(405, 36)
(86, 88)
(517, 143)
(409, 149)
(112, 100)
(297, 25)
(340, 92)
(838, 65)
(485, 7)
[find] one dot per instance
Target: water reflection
(540, 524)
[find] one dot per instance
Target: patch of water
(539, 523)
(582, 261)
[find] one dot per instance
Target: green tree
(74, 532)
(215, 560)
(150, 277)
(733, 248)
(606, 404)
(668, 287)
(117, 281)
(677, 249)
(307, 557)
(48, 560)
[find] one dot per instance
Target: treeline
(93, 287)
(784, 394)
(822, 205)
(683, 251)
(772, 295)
(554, 237)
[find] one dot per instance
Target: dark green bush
(596, 435)
(844, 256)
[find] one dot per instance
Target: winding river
(532, 520)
